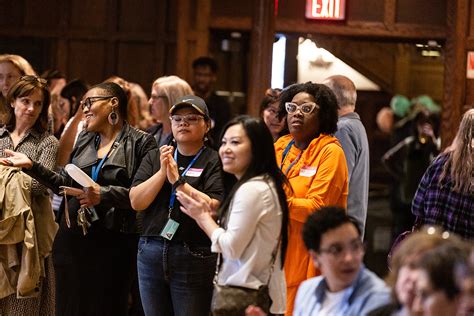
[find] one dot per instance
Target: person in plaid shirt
(445, 195)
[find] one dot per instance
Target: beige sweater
(27, 230)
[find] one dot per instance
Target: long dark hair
(264, 164)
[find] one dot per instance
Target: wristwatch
(181, 180)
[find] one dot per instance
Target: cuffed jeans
(174, 278)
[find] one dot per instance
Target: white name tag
(308, 171)
(194, 172)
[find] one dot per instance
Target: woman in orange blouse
(314, 162)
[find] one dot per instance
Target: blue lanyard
(173, 193)
(96, 169)
(285, 153)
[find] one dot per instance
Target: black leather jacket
(115, 178)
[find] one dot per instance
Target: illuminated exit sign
(326, 9)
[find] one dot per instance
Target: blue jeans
(174, 278)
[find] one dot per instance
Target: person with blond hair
(164, 93)
(445, 195)
(12, 67)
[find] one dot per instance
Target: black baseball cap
(193, 101)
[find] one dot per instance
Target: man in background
(204, 76)
(353, 138)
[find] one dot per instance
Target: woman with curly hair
(315, 165)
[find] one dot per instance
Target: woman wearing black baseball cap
(175, 263)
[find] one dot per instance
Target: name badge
(307, 171)
(194, 172)
(170, 229)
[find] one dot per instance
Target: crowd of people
(112, 204)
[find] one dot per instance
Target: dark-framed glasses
(191, 119)
(87, 102)
(337, 251)
(305, 108)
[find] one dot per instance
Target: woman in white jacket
(254, 217)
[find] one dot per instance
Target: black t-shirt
(205, 175)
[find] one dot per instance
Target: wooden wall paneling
(139, 15)
(86, 60)
(427, 78)
(193, 34)
(241, 8)
(182, 36)
(42, 15)
(454, 69)
(111, 42)
(134, 61)
(422, 12)
(365, 10)
(12, 13)
(401, 73)
(60, 46)
(89, 15)
(261, 48)
(163, 25)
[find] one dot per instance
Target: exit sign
(326, 9)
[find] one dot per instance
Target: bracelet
(181, 180)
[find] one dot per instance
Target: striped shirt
(437, 204)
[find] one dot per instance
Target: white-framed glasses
(305, 108)
(191, 119)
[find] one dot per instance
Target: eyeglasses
(87, 103)
(337, 251)
(305, 108)
(34, 79)
(191, 119)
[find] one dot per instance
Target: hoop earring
(113, 118)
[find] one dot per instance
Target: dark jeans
(174, 278)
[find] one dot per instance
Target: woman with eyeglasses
(313, 161)
(95, 248)
(164, 93)
(269, 113)
(175, 262)
(253, 233)
(26, 132)
(12, 67)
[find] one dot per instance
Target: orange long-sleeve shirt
(319, 178)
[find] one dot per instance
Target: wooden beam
(231, 23)
(454, 69)
(362, 29)
(390, 13)
(261, 37)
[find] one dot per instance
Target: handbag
(400, 238)
(231, 300)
